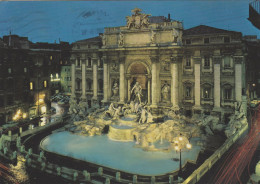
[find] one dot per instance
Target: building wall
(198, 76)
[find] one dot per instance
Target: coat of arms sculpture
(138, 19)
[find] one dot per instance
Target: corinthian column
(95, 78)
(73, 78)
(238, 78)
(122, 79)
(174, 82)
(197, 81)
(83, 96)
(105, 76)
(216, 61)
(154, 80)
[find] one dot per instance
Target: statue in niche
(153, 36)
(165, 92)
(137, 89)
(121, 39)
(175, 35)
(115, 89)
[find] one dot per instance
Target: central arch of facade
(139, 72)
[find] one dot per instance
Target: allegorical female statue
(166, 92)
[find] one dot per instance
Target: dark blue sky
(76, 20)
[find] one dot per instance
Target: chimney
(10, 33)
(169, 17)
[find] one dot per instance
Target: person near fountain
(137, 89)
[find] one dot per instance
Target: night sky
(76, 20)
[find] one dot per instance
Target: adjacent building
(25, 77)
(198, 70)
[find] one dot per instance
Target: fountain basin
(121, 133)
(122, 156)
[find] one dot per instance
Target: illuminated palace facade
(198, 70)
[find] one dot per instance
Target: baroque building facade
(198, 70)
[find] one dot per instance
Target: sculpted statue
(143, 117)
(73, 106)
(179, 39)
(153, 36)
(137, 91)
(175, 35)
(110, 111)
(121, 39)
(115, 89)
(117, 112)
(130, 21)
(165, 92)
(145, 20)
(103, 40)
(138, 19)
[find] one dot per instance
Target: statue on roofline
(138, 19)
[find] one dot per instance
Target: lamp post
(180, 143)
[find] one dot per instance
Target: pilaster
(122, 79)
(73, 68)
(154, 60)
(95, 81)
(105, 76)
(216, 62)
(238, 77)
(174, 81)
(197, 62)
(83, 78)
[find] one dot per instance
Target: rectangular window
(31, 85)
(10, 99)
(227, 63)
(188, 62)
(89, 63)
(45, 84)
(206, 40)
(206, 62)
(226, 39)
(1, 101)
(227, 94)
(78, 62)
(1, 84)
(188, 41)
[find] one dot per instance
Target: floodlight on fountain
(188, 146)
(24, 115)
(176, 148)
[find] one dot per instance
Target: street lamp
(180, 143)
